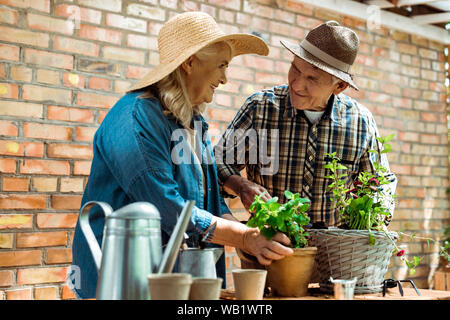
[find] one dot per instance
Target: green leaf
(416, 261)
(288, 194)
(389, 137)
(268, 233)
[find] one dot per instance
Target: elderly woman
(153, 146)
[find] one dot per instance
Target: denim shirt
(140, 154)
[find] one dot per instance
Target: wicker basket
(346, 254)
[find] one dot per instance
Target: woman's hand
(230, 232)
(266, 250)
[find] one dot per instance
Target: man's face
(309, 87)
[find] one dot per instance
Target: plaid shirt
(282, 150)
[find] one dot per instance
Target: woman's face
(204, 76)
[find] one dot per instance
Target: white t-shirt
(313, 116)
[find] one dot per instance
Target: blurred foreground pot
(290, 276)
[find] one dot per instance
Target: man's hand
(266, 250)
(246, 190)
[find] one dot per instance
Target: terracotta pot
(290, 276)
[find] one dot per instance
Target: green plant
(445, 248)
(289, 218)
(364, 207)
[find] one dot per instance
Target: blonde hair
(173, 93)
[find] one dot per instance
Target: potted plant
(289, 276)
(445, 250)
(361, 246)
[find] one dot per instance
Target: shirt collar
(332, 105)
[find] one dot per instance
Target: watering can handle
(87, 230)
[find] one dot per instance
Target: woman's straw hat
(185, 34)
(330, 47)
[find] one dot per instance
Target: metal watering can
(200, 262)
(131, 248)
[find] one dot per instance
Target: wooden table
(391, 294)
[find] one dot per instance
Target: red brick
(6, 278)
(39, 93)
(19, 294)
(430, 138)
(48, 76)
(100, 34)
(82, 168)
(41, 239)
(67, 202)
(72, 151)
(45, 23)
(143, 42)
(51, 59)
(16, 221)
(8, 52)
(136, 72)
(111, 5)
(262, 77)
(56, 220)
(221, 114)
(24, 37)
(400, 169)
(7, 165)
(8, 16)
(70, 114)
(99, 83)
(75, 12)
(429, 117)
(15, 184)
(51, 167)
(73, 80)
(44, 184)
(128, 23)
(40, 5)
(85, 133)
(59, 256)
(67, 293)
(41, 275)
(408, 136)
(20, 258)
(20, 201)
(9, 90)
(87, 99)
(47, 131)
(18, 148)
(123, 54)
(8, 128)
(76, 46)
(46, 293)
(21, 73)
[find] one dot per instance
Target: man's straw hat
(330, 47)
(185, 34)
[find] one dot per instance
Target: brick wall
(65, 63)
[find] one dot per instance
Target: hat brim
(305, 55)
(242, 44)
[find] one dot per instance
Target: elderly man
(281, 135)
